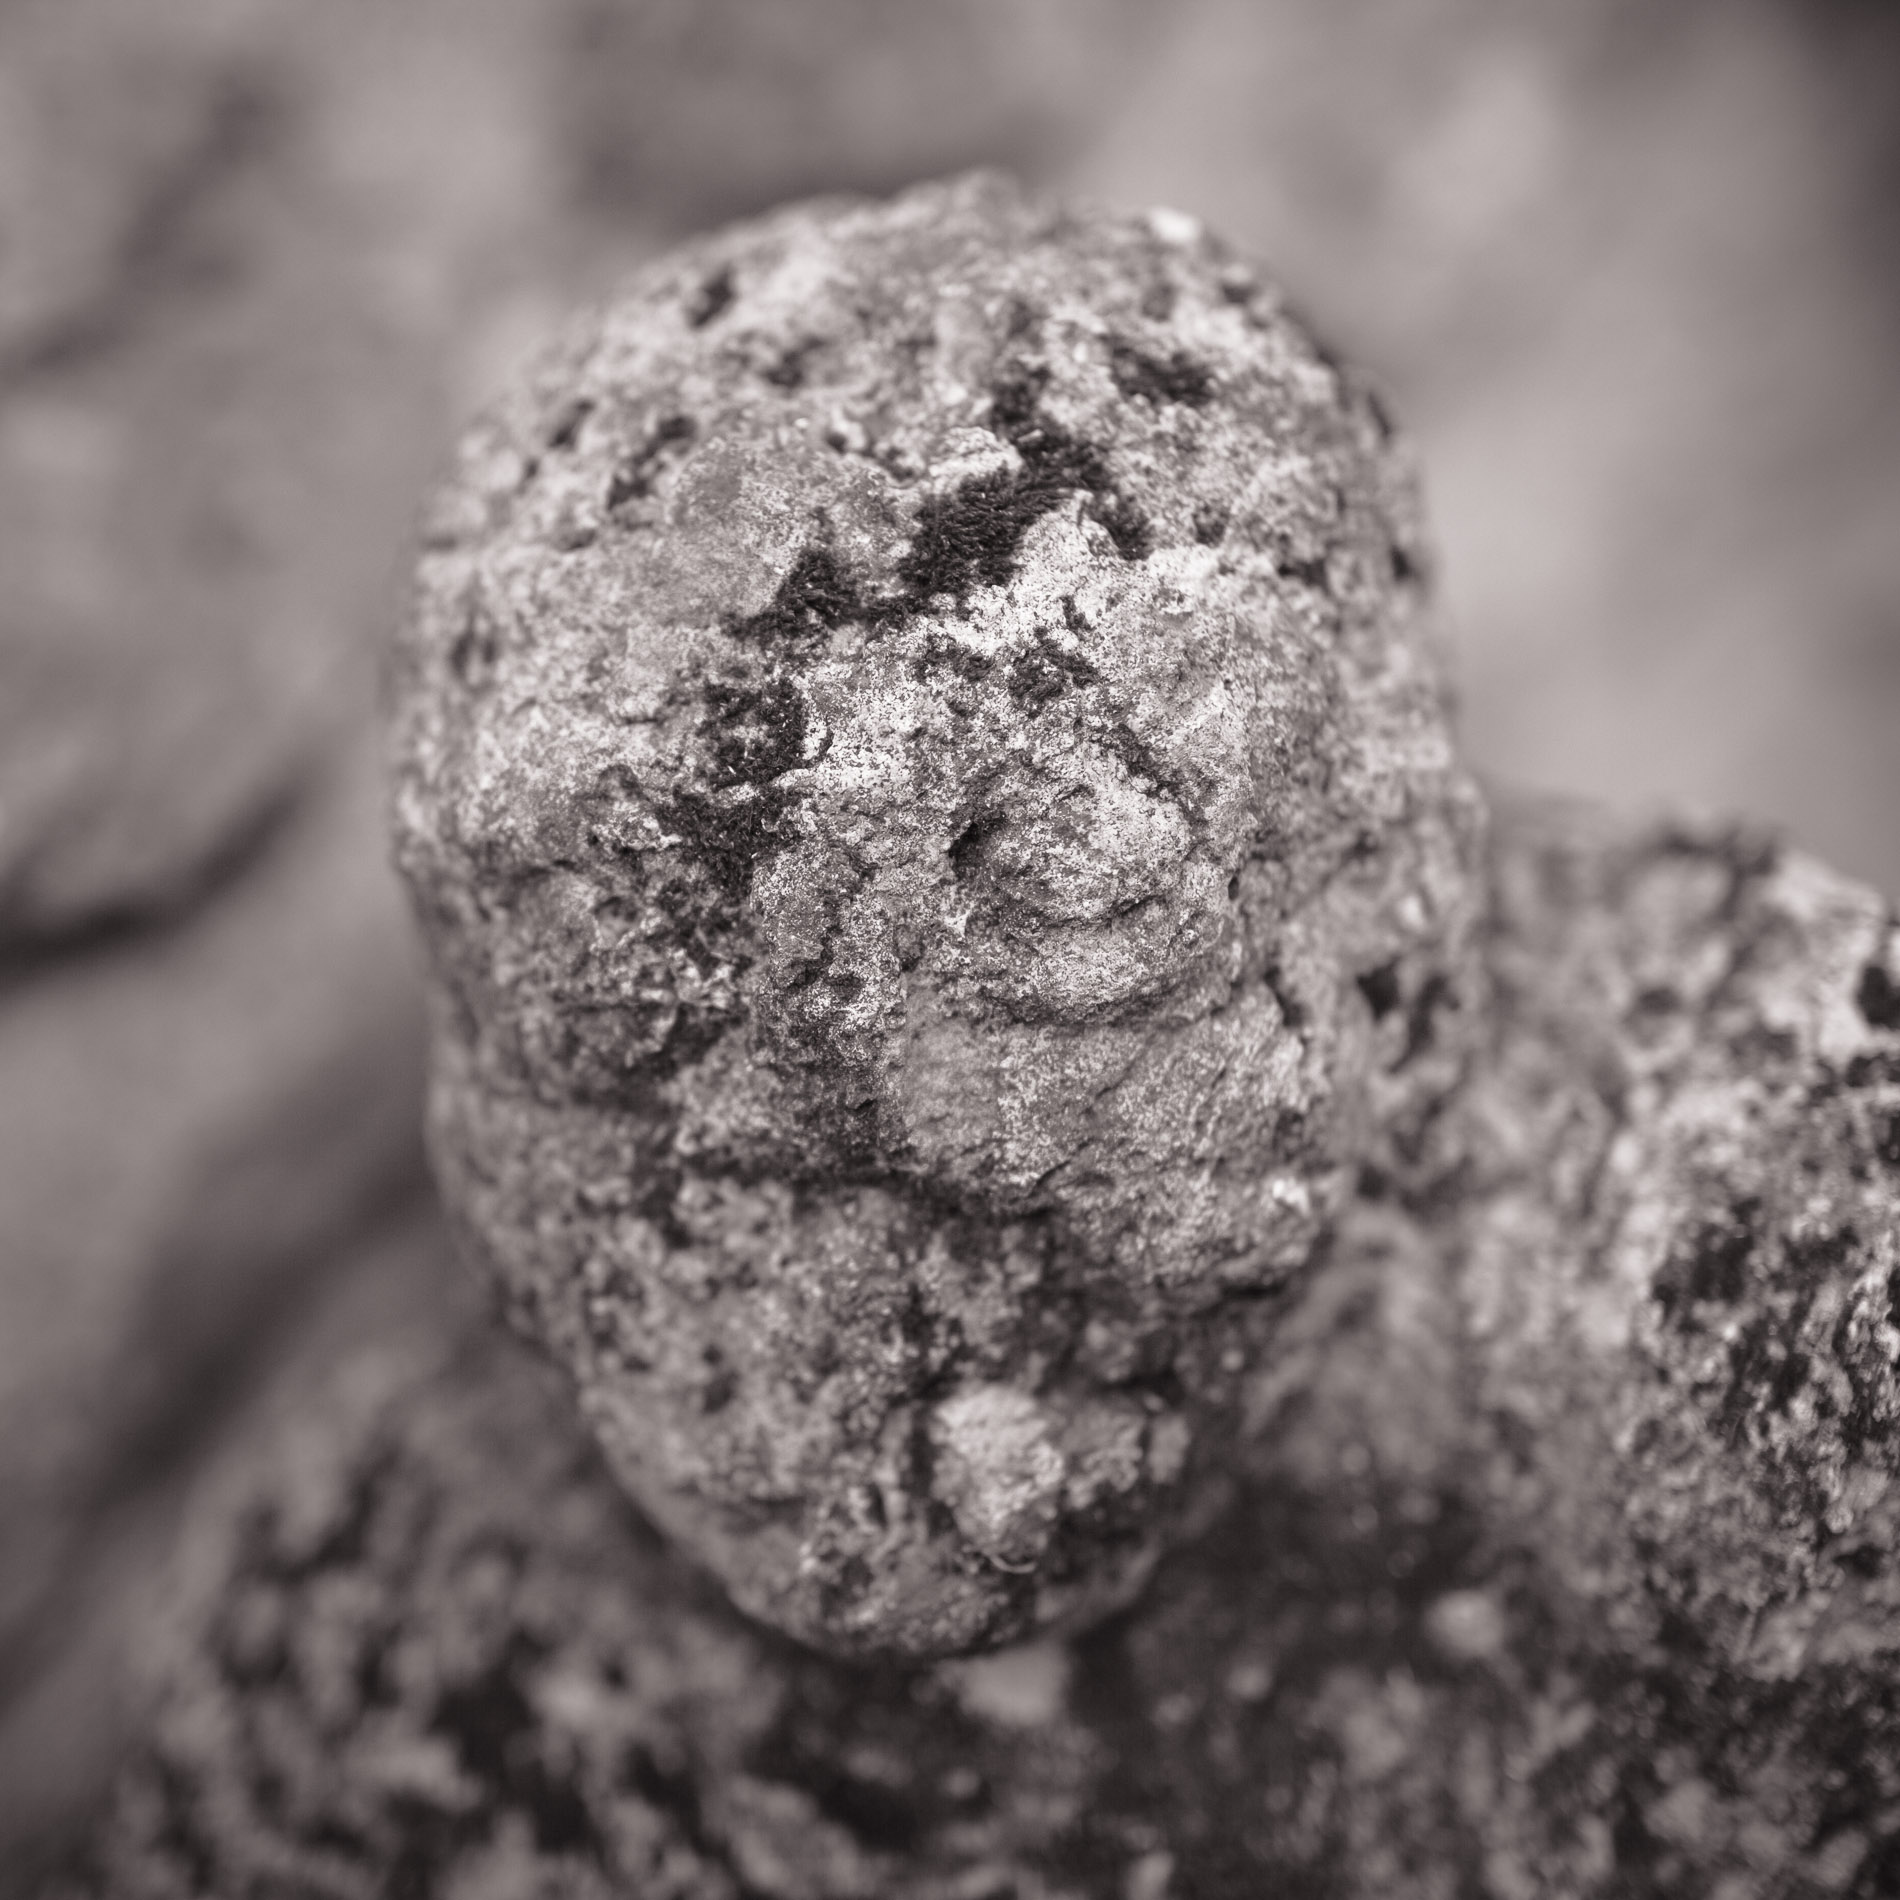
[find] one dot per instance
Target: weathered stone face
(942, 861)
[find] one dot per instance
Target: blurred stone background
(1630, 270)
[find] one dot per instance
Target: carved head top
(922, 773)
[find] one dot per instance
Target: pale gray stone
(1502, 1504)
(1557, 1557)
(921, 772)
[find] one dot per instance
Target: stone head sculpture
(920, 765)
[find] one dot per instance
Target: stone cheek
(937, 836)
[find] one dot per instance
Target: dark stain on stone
(1173, 378)
(1765, 1370)
(1713, 1267)
(1210, 525)
(1879, 998)
(567, 425)
(712, 299)
(1309, 573)
(1127, 526)
(1140, 761)
(967, 538)
(1380, 988)
(788, 373)
(756, 728)
(942, 650)
(815, 596)
(880, 1752)
(967, 849)
(728, 836)
(721, 1386)
(1421, 1021)
(1869, 1071)
(754, 732)
(972, 536)
(1044, 672)
(477, 647)
(634, 478)
(492, 1726)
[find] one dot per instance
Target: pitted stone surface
(1559, 1558)
(921, 770)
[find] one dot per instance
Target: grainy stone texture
(254, 257)
(1558, 1559)
(1479, 1405)
(942, 858)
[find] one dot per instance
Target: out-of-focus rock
(189, 1125)
(62, 1724)
(921, 770)
(1559, 1561)
(234, 282)
(155, 703)
(231, 313)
